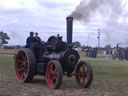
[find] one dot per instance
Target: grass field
(110, 79)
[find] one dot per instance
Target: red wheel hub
(52, 75)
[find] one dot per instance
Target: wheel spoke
(83, 82)
(87, 75)
(23, 75)
(83, 66)
(55, 74)
(53, 69)
(50, 69)
(26, 64)
(51, 81)
(22, 56)
(20, 61)
(20, 69)
(25, 59)
(26, 70)
(79, 74)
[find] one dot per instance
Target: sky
(48, 17)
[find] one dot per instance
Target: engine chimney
(69, 29)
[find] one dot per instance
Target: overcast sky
(47, 17)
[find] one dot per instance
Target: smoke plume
(110, 12)
(87, 9)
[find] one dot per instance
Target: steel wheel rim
(21, 65)
(82, 75)
(52, 75)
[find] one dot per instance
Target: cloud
(51, 5)
(19, 17)
(10, 4)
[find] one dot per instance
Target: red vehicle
(8, 47)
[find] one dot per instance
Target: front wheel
(54, 74)
(84, 74)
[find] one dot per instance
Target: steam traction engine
(120, 52)
(53, 59)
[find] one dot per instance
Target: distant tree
(83, 47)
(76, 44)
(108, 46)
(3, 38)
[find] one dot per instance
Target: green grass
(6, 61)
(8, 51)
(111, 69)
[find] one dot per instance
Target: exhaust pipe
(69, 29)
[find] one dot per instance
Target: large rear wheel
(54, 74)
(25, 65)
(121, 55)
(84, 74)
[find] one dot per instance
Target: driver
(30, 40)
